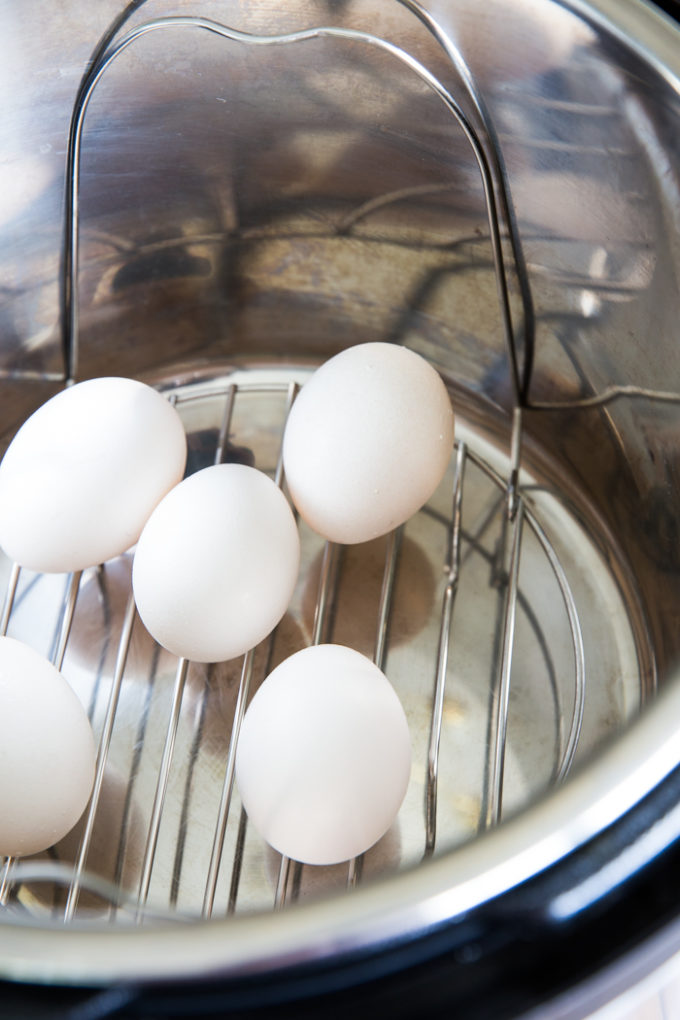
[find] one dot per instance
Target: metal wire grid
(518, 515)
(77, 878)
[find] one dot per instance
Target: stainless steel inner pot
(228, 196)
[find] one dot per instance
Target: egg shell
(47, 752)
(216, 565)
(83, 473)
(324, 755)
(367, 441)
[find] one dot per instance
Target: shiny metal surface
(243, 204)
(511, 599)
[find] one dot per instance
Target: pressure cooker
(216, 197)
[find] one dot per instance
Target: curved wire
(578, 707)
(70, 289)
(66, 295)
(521, 379)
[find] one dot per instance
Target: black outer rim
(501, 960)
(507, 958)
(671, 7)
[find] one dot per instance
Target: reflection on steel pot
(216, 197)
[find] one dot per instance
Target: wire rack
(487, 528)
(491, 538)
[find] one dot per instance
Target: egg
(217, 563)
(47, 752)
(83, 473)
(324, 755)
(367, 441)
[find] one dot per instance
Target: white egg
(324, 755)
(83, 473)
(367, 441)
(47, 752)
(216, 564)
